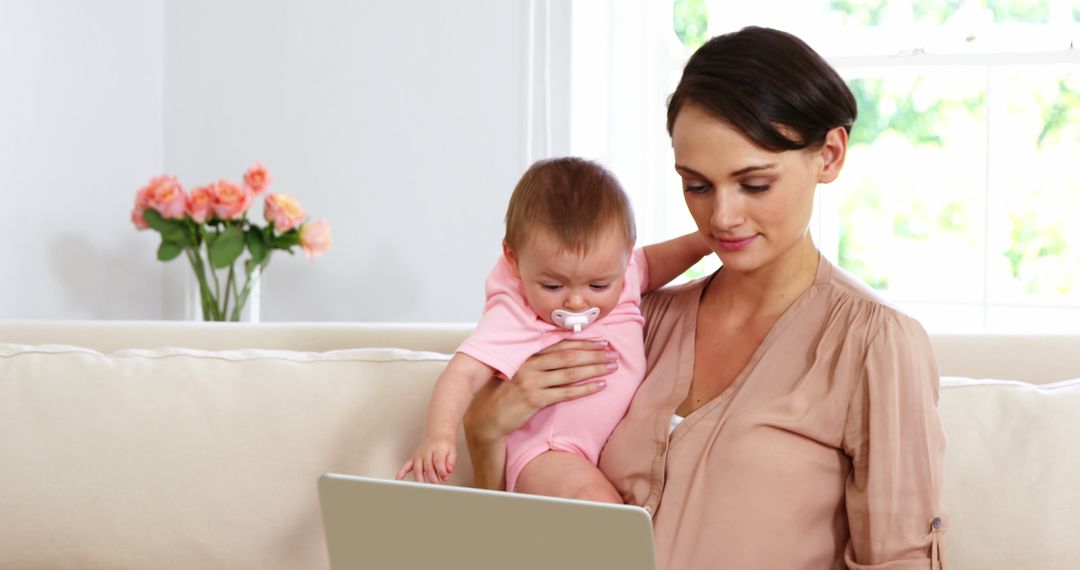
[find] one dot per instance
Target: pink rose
(199, 204)
(257, 178)
(315, 238)
(165, 195)
(230, 201)
(142, 201)
(284, 211)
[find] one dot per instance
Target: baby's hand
(433, 461)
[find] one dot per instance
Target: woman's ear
(512, 258)
(833, 151)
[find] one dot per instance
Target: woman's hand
(548, 377)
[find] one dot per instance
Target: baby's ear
(512, 258)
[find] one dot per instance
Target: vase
(205, 299)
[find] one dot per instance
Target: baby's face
(555, 278)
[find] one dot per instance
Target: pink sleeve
(507, 333)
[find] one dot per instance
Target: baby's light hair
(576, 199)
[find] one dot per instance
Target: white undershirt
(675, 421)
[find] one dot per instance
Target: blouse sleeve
(896, 443)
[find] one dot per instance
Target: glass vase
(230, 293)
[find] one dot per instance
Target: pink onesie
(510, 332)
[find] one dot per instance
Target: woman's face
(752, 205)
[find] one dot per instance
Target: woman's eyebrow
(688, 171)
(752, 168)
(745, 170)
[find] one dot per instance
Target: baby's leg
(567, 475)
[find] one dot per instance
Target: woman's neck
(768, 290)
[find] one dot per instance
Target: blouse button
(936, 523)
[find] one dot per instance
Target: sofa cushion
(179, 458)
(1012, 473)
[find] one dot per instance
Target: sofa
(196, 445)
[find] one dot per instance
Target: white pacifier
(576, 321)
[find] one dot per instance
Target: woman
(788, 415)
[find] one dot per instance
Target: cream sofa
(117, 453)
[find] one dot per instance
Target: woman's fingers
(590, 344)
(554, 375)
(555, 395)
(570, 365)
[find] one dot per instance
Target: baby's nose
(576, 303)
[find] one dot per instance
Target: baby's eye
(550, 286)
(600, 286)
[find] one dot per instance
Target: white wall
(80, 129)
(403, 123)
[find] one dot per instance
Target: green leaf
(171, 230)
(210, 237)
(286, 240)
(256, 244)
(227, 247)
(168, 250)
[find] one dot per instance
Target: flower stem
(251, 276)
(229, 287)
(206, 296)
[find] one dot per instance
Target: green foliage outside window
(1024, 11)
(1002, 11)
(691, 20)
(915, 119)
(888, 219)
(860, 12)
(1059, 114)
(935, 11)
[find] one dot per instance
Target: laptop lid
(384, 524)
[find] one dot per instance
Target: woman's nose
(726, 211)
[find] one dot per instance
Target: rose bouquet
(210, 226)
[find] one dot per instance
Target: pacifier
(576, 321)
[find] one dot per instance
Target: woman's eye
(600, 286)
(695, 188)
(550, 287)
(755, 188)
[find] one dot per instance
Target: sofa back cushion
(179, 458)
(1012, 473)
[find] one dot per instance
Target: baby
(568, 271)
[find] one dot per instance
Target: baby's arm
(433, 461)
(668, 259)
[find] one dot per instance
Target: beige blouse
(825, 451)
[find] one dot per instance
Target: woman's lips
(735, 244)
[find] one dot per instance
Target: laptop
(385, 525)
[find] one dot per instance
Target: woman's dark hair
(760, 80)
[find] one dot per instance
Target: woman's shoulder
(658, 301)
(850, 297)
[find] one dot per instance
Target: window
(961, 194)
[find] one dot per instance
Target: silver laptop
(386, 525)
